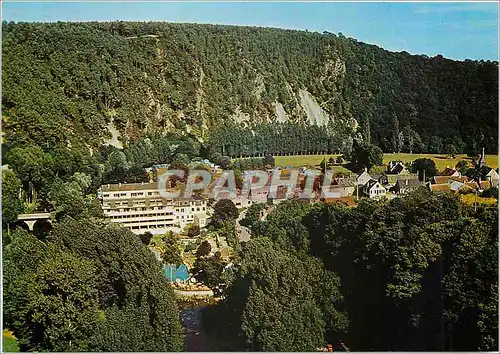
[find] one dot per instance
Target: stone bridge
(31, 219)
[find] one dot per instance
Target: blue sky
(455, 30)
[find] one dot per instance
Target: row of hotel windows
(182, 210)
(108, 206)
(161, 226)
(131, 216)
(136, 194)
(138, 215)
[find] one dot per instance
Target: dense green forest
(252, 89)
(417, 273)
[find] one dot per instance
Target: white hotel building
(139, 207)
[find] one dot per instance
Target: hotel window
(123, 194)
(117, 195)
(133, 194)
(150, 193)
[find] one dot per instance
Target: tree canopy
(111, 296)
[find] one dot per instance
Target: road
(190, 293)
(241, 231)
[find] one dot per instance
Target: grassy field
(9, 342)
(470, 199)
(441, 160)
(300, 160)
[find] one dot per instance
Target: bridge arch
(31, 219)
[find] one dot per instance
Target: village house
(450, 172)
(396, 168)
(342, 186)
(483, 185)
(373, 189)
(259, 195)
(381, 178)
(281, 193)
(448, 179)
(439, 188)
(456, 186)
(403, 186)
(493, 177)
(349, 201)
(363, 178)
(238, 200)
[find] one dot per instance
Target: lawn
(441, 160)
(300, 160)
(9, 342)
(470, 199)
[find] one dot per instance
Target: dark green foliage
(224, 210)
(66, 81)
(424, 164)
(451, 150)
(171, 253)
(49, 309)
(132, 289)
(68, 198)
(365, 155)
(268, 161)
(252, 214)
(146, 237)
(490, 193)
(193, 231)
(279, 302)
(419, 273)
(11, 206)
(462, 166)
(209, 270)
(204, 249)
(402, 254)
(228, 231)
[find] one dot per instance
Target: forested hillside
(250, 89)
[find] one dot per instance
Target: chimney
(406, 182)
(119, 184)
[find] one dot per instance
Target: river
(195, 338)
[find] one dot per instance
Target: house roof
(449, 179)
(343, 182)
(125, 187)
(485, 184)
(371, 183)
(397, 168)
(492, 173)
(408, 183)
(363, 173)
(443, 187)
(456, 185)
(448, 171)
(347, 200)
